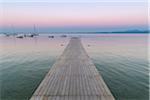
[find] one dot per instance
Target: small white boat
(6, 34)
(35, 34)
(20, 36)
(28, 35)
(63, 35)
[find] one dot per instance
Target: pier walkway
(73, 77)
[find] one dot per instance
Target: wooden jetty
(73, 77)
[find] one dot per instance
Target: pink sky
(74, 14)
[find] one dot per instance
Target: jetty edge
(73, 77)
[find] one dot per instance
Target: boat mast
(34, 29)
(13, 29)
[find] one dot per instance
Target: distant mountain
(132, 31)
(126, 31)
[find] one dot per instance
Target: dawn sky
(74, 15)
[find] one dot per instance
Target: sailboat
(19, 36)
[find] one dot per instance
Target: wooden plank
(73, 77)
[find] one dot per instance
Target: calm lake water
(122, 60)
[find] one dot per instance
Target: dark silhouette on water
(51, 36)
(19, 36)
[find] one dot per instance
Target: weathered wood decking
(73, 77)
